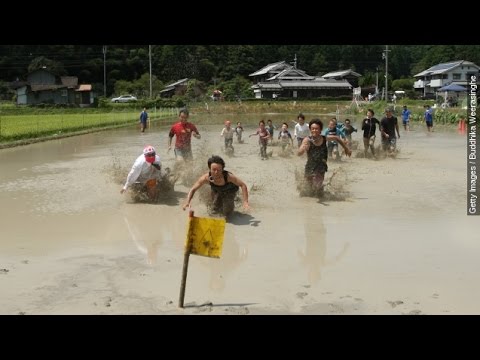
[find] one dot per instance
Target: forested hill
(215, 63)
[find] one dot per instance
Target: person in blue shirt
(406, 115)
(428, 117)
(334, 129)
(143, 120)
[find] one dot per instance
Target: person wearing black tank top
(315, 146)
(224, 187)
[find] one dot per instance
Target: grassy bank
(39, 126)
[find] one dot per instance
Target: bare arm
(382, 131)
(233, 179)
(196, 133)
(200, 182)
(341, 142)
(304, 147)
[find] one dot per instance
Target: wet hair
(183, 110)
(261, 122)
(316, 121)
(371, 110)
(301, 116)
(215, 159)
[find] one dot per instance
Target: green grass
(28, 126)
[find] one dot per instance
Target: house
(283, 80)
(268, 71)
(42, 86)
(432, 79)
(348, 75)
(177, 88)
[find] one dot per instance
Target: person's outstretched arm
(132, 175)
(233, 179)
(200, 182)
(341, 142)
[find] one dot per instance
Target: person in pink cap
(145, 173)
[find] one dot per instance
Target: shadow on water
(238, 218)
(172, 198)
(194, 305)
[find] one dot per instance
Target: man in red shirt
(183, 130)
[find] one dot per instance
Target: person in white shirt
(145, 173)
(301, 130)
(227, 133)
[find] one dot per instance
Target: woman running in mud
(224, 186)
(315, 146)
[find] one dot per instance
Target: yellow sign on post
(206, 236)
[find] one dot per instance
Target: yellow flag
(206, 236)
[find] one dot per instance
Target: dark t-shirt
(143, 116)
(369, 127)
(388, 126)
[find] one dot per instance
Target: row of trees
(127, 66)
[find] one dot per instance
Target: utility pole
(376, 87)
(385, 55)
(150, 60)
(105, 70)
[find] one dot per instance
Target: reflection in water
(146, 244)
(233, 254)
(314, 257)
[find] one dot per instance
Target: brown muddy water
(398, 243)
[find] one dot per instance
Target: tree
(403, 84)
(42, 62)
(238, 87)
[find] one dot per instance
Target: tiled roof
(84, 87)
(444, 67)
(176, 83)
(270, 67)
(291, 73)
(318, 83)
(341, 73)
